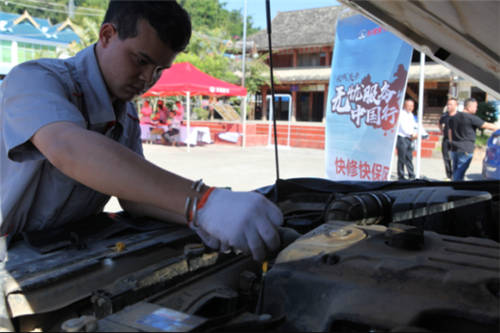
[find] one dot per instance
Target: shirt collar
(95, 93)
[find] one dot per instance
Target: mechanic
(70, 139)
(407, 133)
(451, 110)
(462, 136)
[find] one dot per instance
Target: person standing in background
(451, 110)
(179, 111)
(146, 112)
(161, 113)
(406, 134)
(462, 136)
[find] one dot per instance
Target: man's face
(409, 106)
(451, 106)
(471, 107)
(131, 66)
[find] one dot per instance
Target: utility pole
(71, 9)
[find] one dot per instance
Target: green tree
(211, 14)
(204, 13)
(234, 24)
(88, 31)
(487, 112)
(206, 52)
(256, 74)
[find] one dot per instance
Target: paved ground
(254, 167)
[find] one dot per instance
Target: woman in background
(146, 112)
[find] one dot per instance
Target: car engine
(382, 256)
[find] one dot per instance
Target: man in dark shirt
(462, 136)
(451, 110)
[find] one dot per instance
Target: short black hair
(167, 17)
(469, 100)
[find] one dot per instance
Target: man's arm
(246, 221)
(489, 126)
(108, 167)
(143, 209)
(414, 135)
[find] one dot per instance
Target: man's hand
(244, 221)
(489, 126)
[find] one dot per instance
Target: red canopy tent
(185, 79)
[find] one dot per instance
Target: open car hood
(462, 35)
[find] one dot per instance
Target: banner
(367, 86)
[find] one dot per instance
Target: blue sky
(257, 8)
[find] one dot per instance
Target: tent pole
(244, 49)
(420, 112)
(188, 102)
(289, 118)
(271, 114)
(244, 141)
(243, 58)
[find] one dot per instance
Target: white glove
(208, 240)
(244, 221)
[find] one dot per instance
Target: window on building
(310, 106)
(281, 104)
(322, 59)
(303, 106)
(5, 49)
(283, 60)
(309, 60)
(436, 97)
(29, 51)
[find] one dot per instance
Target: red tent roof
(183, 77)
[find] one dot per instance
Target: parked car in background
(491, 161)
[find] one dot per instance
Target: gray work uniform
(34, 194)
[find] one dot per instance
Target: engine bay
(386, 256)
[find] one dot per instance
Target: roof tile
(308, 27)
(25, 29)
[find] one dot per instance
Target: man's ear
(106, 32)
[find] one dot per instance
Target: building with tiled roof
(23, 38)
(303, 42)
(316, 27)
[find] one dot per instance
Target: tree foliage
(256, 74)
(487, 112)
(88, 31)
(206, 52)
(211, 14)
